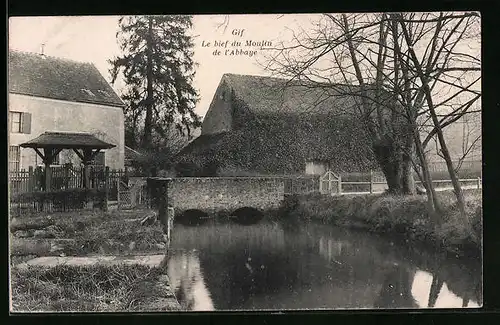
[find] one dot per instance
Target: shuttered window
(14, 158)
(20, 122)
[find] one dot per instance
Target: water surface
(268, 267)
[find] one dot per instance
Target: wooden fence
(64, 178)
(301, 184)
(116, 188)
(28, 188)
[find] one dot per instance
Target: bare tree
(434, 68)
(389, 54)
(352, 50)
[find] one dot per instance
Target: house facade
(59, 95)
(266, 126)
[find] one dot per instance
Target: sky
(93, 39)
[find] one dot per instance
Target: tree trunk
(439, 132)
(432, 200)
(146, 140)
(407, 180)
(384, 153)
(436, 286)
(396, 164)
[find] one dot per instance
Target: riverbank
(93, 287)
(97, 288)
(404, 217)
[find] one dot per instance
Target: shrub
(63, 199)
(406, 215)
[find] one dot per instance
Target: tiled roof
(67, 140)
(44, 76)
(289, 123)
(271, 95)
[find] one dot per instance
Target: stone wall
(225, 193)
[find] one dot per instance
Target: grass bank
(108, 288)
(86, 233)
(95, 288)
(404, 216)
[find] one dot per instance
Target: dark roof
(270, 95)
(44, 76)
(289, 123)
(67, 140)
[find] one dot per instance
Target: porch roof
(67, 140)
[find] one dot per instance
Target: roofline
(299, 82)
(69, 101)
(72, 61)
(135, 151)
(109, 84)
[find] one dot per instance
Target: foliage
(280, 143)
(407, 216)
(158, 71)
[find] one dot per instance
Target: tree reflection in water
(396, 290)
(264, 266)
(187, 281)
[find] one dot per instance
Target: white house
(59, 95)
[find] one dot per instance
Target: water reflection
(429, 291)
(186, 279)
(264, 266)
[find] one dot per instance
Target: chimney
(42, 50)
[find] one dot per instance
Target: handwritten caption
(236, 47)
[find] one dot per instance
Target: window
(88, 92)
(14, 158)
(20, 122)
(15, 118)
(105, 93)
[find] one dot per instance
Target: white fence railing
(378, 187)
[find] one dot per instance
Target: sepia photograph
(245, 162)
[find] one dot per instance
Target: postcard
(269, 162)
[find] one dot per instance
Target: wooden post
(31, 186)
(38, 177)
(86, 176)
(340, 185)
(166, 213)
(47, 177)
(169, 226)
(371, 181)
(118, 189)
(106, 188)
(479, 182)
(87, 157)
